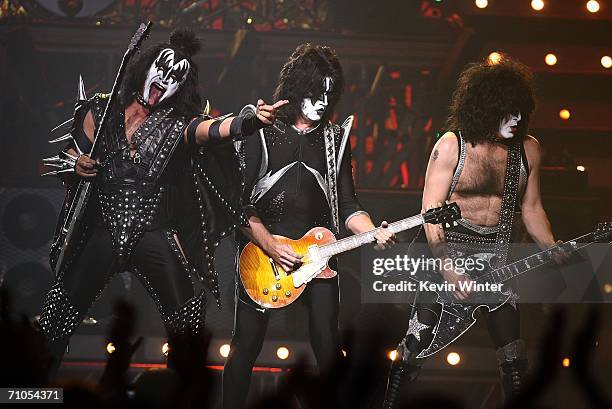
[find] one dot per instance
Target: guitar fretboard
(519, 267)
(357, 240)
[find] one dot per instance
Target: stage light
(224, 350)
(565, 362)
(537, 5)
(580, 168)
(282, 353)
(392, 355)
(165, 349)
(453, 358)
(606, 61)
(110, 348)
(494, 58)
(249, 20)
(607, 288)
(481, 4)
(592, 6)
(344, 354)
(550, 59)
(565, 114)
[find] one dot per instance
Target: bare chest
(483, 172)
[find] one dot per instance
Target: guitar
(456, 318)
(67, 236)
(270, 286)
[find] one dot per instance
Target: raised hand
(267, 113)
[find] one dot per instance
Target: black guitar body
(456, 317)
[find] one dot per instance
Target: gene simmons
(166, 189)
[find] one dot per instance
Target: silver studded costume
(158, 212)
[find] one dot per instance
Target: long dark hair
(486, 93)
(186, 101)
(302, 76)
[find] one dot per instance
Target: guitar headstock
(446, 214)
(603, 231)
(140, 35)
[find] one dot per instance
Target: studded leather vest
(129, 187)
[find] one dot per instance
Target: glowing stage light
(344, 354)
(165, 349)
(249, 20)
(224, 350)
(392, 355)
(565, 114)
(453, 358)
(565, 362)
(607, 288)
(481, 4)
(550, 59)
(282, 353)
(537, 5)
(606, 61)
(592, 6)
(580, 168)
(494, 58)
(110, 348)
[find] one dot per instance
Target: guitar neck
(358, 240)
(515, 269)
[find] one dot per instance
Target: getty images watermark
(415, 266)
(397, 274)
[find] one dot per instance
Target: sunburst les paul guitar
(270, 286)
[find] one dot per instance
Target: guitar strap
(509, 200)
(330, 154)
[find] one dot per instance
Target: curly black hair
(186, 101)
(486, 93)
(303, 75)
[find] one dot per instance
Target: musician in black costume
(298, 175)
(167, 188)
(489, 118)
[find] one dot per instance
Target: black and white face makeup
(164, 78)
(509, 125)
(314, 108)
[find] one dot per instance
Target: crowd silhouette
(188, 383)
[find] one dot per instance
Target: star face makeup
(165, 77)
(509, 125)
(314, 108)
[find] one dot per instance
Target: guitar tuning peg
(447, 225)
(455, 223)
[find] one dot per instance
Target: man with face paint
(167, 188)
(297, 176)
(468, 165)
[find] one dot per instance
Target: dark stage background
(400, 59)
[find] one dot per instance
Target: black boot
(186, 326)
(58, 320)
(404, 371)
(513, 366)
(57, 350)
